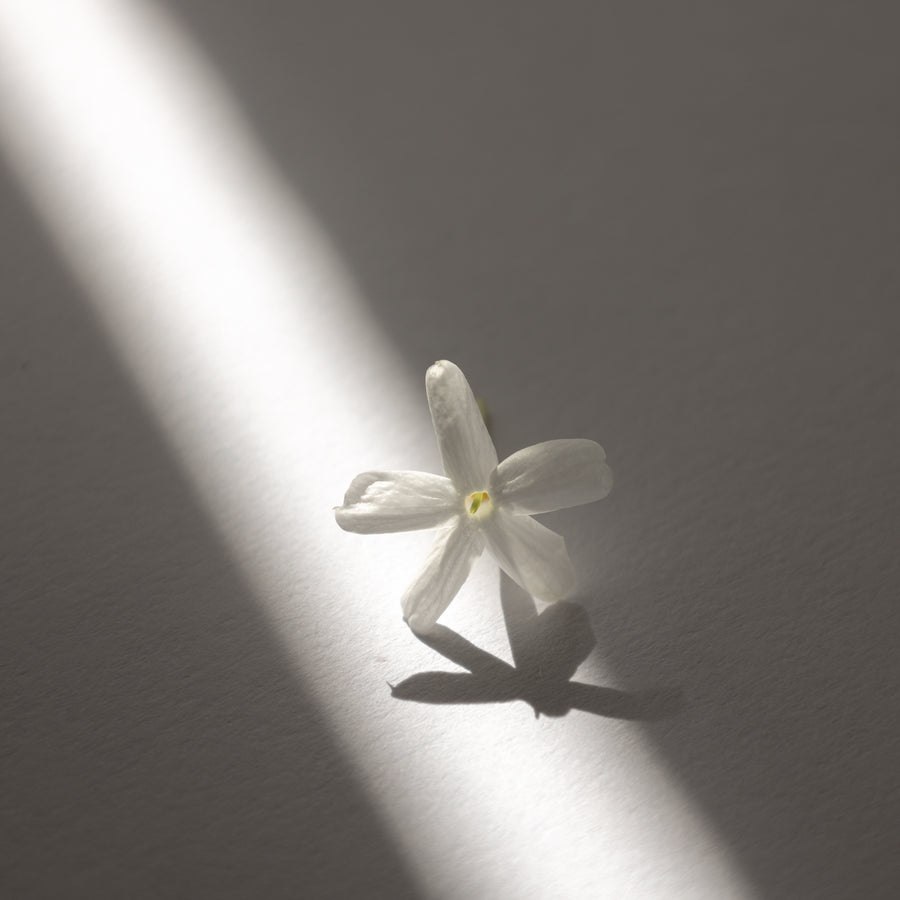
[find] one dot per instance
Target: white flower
(478, 504)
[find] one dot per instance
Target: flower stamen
(479, 505)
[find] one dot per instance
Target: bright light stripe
(273, 387)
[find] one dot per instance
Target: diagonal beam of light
(272, 384)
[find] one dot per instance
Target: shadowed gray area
(672, 228)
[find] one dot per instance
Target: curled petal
(552, 475)
(533, 556)
(378, 502)
(449, 562)
(466, 447)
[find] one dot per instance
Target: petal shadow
(547, 649)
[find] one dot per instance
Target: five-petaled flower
(478, 504)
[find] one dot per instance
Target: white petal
(552, 475)
(449, 562)
(377, 502)
(466, 447)
(533, 556)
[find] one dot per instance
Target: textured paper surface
(671, 231)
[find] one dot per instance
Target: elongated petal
(552, 475)
(466, 447)
(533, 556)
(377, 502)
(449, 562)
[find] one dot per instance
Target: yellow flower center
(479, 505)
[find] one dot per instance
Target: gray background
(680, 217)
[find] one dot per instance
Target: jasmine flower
(478, 504)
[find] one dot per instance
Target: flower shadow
(547, 649)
